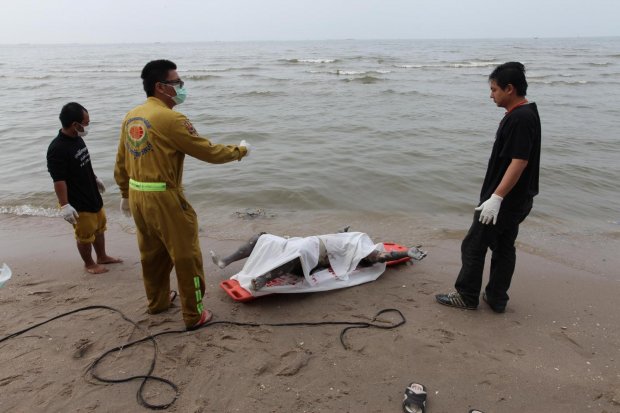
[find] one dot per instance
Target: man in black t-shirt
(77, 187)
(510, 184)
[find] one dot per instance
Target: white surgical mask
(84, 132)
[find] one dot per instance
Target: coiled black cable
(151, 337)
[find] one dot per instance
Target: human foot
(416, 253)
(205, 317)
(454, 299)
(108, 260)
(96, 269)
(217, 260)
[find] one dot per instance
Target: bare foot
(216, 260)
(96, 269)
(416, 253)
(108, 260)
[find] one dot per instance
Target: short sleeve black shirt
(68, 160)
(518, 137)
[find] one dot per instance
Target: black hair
(71, 112)
(510, 73)
(155, 71)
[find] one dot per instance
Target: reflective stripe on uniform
(147, 186)
(199, 305)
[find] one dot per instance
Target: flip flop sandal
(173, 296)
(475, 411)
(205, 317)
(415, 399)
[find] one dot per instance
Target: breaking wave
(309, 60)
(29, 210)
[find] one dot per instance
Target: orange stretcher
(240, 294)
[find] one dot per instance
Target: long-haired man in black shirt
(77, 187)
(510, 184)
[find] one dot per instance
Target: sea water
(366, 131)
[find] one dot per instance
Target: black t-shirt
(518, 137)
(68, 160)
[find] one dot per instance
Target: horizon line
(306, 40)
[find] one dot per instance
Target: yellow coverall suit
(149, 169)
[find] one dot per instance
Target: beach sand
(556, 349)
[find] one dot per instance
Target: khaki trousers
(167, 230)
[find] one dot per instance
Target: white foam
(476, 64)
(29, 210)
(316, 60)
(350, 72)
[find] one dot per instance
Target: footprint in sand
(572, 343)
(289, 364)
(516, 352)
(445, 335)
(81, 348)
(293, 362)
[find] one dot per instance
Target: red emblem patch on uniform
(136, 132)
(190, 128)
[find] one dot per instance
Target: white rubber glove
(69, 214)
(247, 147)
(490, 209)
(125, 210)
(100, 185)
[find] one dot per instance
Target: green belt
(147, 186)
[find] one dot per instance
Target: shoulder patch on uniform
(190, 128)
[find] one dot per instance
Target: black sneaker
(454, 299)
(496, 308)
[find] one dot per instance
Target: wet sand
(556, 349)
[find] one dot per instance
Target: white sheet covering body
(345, 251)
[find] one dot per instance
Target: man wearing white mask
(154, 140)
(77, 188)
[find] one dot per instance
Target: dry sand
(556, 349)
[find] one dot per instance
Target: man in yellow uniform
(149, 169)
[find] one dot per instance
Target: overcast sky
(138, 21)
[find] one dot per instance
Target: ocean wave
(308, 60)
(355, 72)
(29, 210)
(259, 93)
(562, 82)
(107, 70)
(223, 69)
(475, 63)
(202, 77)
(598, 64)
(364, 79)
(407, 93)
(39, 86)
(42, 77)
(452, 65)
(351, 72)
(410, 66)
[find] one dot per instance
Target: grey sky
(129, 21)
